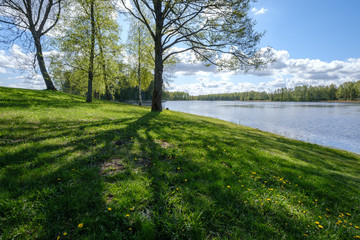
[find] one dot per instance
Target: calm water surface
(330, 124)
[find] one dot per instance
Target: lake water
(330, 124)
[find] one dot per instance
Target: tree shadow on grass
(162, 177)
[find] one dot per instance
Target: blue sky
(316, 43)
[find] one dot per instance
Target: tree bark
(139, 66)
(156, 105)
(91, 57)
(40, 58)
(103, 64)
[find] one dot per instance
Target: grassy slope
(126, 173)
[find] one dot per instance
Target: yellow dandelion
(304, 211)
(320, 226)
(178, 168)
(249, 189)
(348, 214)
(242, 186)
(228, 186)
(357, 237)
(177, 189)
(59, 179)
(317, 223)
(268, 199)
(65, 233)
(131, 209)
(80, 225)
(338, 222)
(127, 215)
(270, 189)
(357, 227)
(109, 208)
(130, 229)
(185, 180)
(58, 237)
(276, 201)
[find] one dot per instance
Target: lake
(330, 124)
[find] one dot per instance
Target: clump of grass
(105, 170)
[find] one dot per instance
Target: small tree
(217, 31)
(30, 20)
(141, 60)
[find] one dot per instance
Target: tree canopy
(219, 32)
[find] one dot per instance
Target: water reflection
(330, 124)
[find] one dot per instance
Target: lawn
(74, 170)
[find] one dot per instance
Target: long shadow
(66, 185)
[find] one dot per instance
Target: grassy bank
(72, 170)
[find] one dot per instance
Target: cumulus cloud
(285, 72)
(29, 82)
(259, 11)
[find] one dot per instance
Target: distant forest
(349, 91)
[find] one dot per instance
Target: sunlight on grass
(125, 173)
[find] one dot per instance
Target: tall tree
(88, 46)
(141, 60)
(218, 31)
(21, 18)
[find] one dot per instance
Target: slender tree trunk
(139, 66)
(107, 90)
(156, 105)
(91, 58)
(40, 58)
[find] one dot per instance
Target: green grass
(64, 162)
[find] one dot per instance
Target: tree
(141, 58)
(88, 47)
(218, 31)
(21, 18)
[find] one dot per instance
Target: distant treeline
(349, 91)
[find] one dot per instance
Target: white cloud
(285, 72)
(259, 11)
(29, 82)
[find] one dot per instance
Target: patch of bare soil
(163, 144)
(112, 167)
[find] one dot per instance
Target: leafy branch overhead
(214, 30)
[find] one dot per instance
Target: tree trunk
(139, 68)
(107, 89)
(91, 58)
(40, 58)
(156, 105)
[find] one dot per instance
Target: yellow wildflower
(357, 227)
(131, 209)
(228, 186)
(127, 215)
(109, 208)
(357, 237)
(58, 237)
(130, 229)
(338, 222)
(348, 214)
(80, 225)
(320, 226)
(178, 168)
(306, 235)
(65, 233)
(317, 223)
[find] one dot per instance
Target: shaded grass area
(104, 170)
